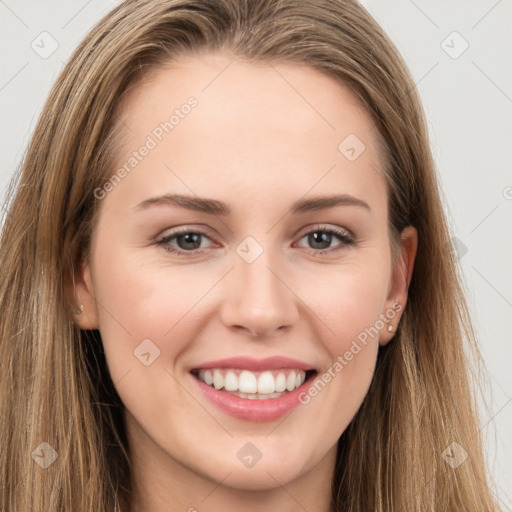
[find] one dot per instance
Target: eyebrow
(214, 207)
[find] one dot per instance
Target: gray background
(467, 97)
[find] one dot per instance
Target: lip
(256, 365)
(253, 410)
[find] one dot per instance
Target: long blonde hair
(55, 386)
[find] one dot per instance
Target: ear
(87, 319)
(399, 285)
(81, 291)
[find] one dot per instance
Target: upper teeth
(245, 381)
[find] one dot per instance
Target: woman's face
(250, 223)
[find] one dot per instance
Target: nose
(259, 301)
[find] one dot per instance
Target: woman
(174, 336)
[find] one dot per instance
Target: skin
(260, 138)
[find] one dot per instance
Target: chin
(277, 470)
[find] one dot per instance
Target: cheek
(149, 315)
(138, 301)
(343, 304)
(347, 303)
(348, 306)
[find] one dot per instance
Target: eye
(189, 241)
(322, 236)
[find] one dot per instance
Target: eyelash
(345, 238)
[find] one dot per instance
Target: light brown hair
(55, 386)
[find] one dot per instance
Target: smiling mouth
(262, 385)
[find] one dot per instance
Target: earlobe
(400, 281)
(392, 318)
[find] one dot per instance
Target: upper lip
(250, 363)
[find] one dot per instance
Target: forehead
(278, 125)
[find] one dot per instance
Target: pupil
(190, 238)
(320, 237)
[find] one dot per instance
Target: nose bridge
(258, 298)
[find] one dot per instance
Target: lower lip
(254, 410)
